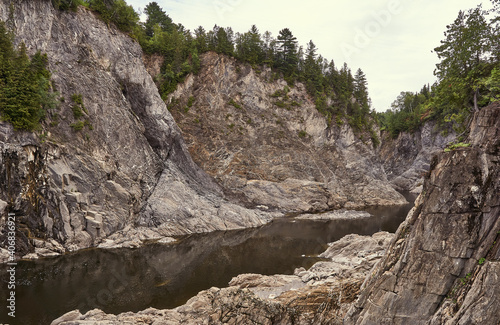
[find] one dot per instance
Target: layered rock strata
(443, 265)
(127, 168)
(407, 158)
(267, 145)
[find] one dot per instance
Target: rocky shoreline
(306, 297)
(131, 237)
(138, 174)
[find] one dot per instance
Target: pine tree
(156, 16)
(463, 53)
(287, 52)
(361, 90)
(201, 39)
(312, 70)
(224, 41)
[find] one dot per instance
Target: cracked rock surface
(441, 266)
(130, 169)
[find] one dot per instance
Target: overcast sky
(390, 40)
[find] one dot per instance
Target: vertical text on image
(11, 264)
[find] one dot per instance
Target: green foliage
(468, 276)
(25, 91)
(77, 99)
(409, 111)
(302, 134)
(78, 126)
(280, 104)
(235, 104)
(456, 146)
(468, 78)
(181, 49)
(117, 12)
(374, 137)
(157, 20)
(78, 108)
(280, 93)
(68, 4)
(339, 121)
(287, 56)
(481, 261)
(190, 101)
(77, 112)
(250, 47)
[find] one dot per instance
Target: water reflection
(165, 276)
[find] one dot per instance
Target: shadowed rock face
(407, 158)
(128, 173)
(267, 144)
(131, 168)
(442, 265)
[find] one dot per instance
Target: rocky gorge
(441, 266)
(129, 171)
(234, 148)
(266, 143)
(128, 176)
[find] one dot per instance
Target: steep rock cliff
(127, 168)
(266, 143)
(443, 266)
(407, 158)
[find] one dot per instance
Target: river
(166, 276)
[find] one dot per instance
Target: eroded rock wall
(128, 167)
(442, 265)
(407, 158)
(267, 145)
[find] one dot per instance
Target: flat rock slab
(335, 215)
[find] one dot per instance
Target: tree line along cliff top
(468, 74)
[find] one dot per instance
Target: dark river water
(166, 276)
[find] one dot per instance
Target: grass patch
(78, 126)
(235, 104)
(456, 146)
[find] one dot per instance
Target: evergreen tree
(156, 16)
(253, 46)
(24, 86)
(201, 39)
(361, 90)
(312, 70)
(270, 48)
(287, 56)
(463, 54)
(224, 41)
(117, 12)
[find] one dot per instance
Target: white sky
(390, 40)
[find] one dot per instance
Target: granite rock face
(128, 167)
(267, 145)
(407, 158)
(442, 266)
